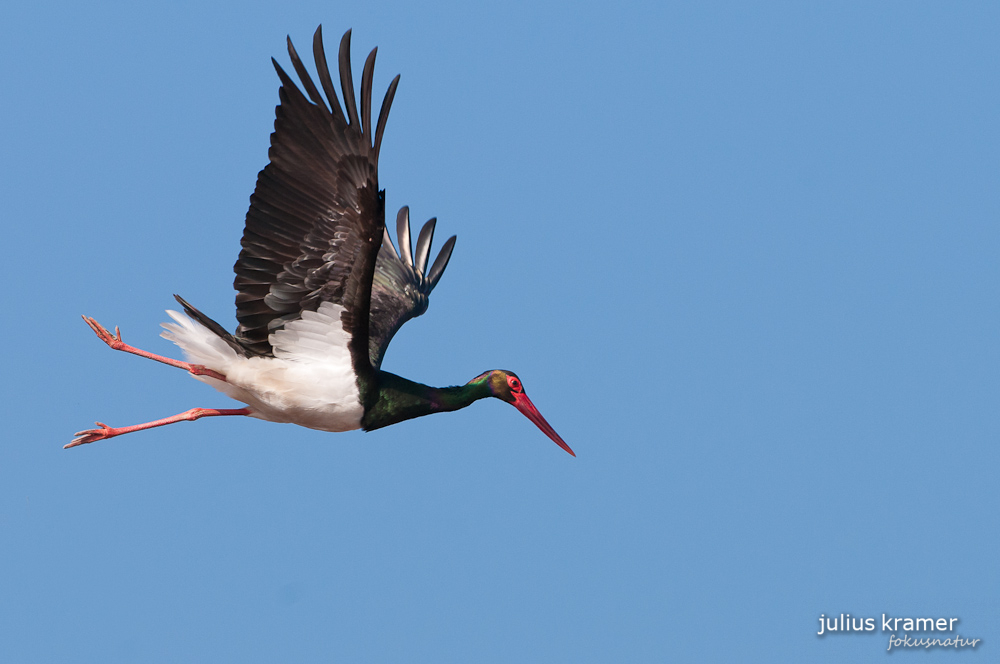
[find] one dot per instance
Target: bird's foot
(113, 340)
(92, 435)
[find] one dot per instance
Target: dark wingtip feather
(286, 80)
(366, 94)
(319, 54)
(347, 80)
(423, 250)
(383, 115)
(403, 235)
(441, 262)
(303, 73)
(387, 242)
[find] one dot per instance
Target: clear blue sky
(744, 257)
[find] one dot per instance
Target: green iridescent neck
(401, 399)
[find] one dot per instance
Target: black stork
(321, 290)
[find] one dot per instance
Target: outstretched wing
(316, 217)
(402, 284)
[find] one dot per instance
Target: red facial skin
(523, 404)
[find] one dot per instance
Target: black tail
(213, 326)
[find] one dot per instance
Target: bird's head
(506, 386)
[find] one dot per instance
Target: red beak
(523, 404)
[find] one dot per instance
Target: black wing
(316, 217)
(401, 287)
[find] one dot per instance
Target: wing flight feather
(400, 289)
(315, 231)
(316, 217)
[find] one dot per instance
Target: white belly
(309, 381)
(318, 396)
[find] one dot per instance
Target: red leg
(116, 343)
(93, 435)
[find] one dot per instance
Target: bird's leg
(116, 343)
(93, 435)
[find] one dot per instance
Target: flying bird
(321, 290)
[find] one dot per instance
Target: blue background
(743, 256)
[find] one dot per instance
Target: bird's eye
(514, 383)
